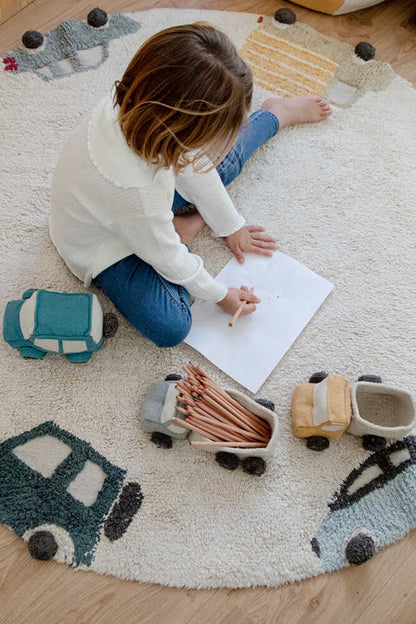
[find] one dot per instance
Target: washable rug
(339, 197)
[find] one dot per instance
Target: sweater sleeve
(206, 190)
(154, 240)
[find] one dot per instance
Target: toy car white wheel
(173, 377)
(373, 442)
(370, 378)
(317, 443)
(42, 545)
(318, 377)
(229, 461)
(254, 466)
(360, 549)
(161, 440)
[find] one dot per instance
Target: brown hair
(184, 95)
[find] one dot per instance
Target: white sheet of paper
(248, 352)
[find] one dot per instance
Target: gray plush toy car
(159, 409)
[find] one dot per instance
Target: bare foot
(188, 227)
(297, 110)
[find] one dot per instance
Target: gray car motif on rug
(73, 46)
(374, 507)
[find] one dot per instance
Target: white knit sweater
(107, 203)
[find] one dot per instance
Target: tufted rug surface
(339, 197)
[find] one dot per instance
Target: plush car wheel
(318, 377)
(110, 324)
(370, 378)
(161, 440)
(173, 377)
(229, 461)
(317, 443)
(266, 403)
(373, 442)
(254, 466)
(360, 549)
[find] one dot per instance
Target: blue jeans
(159, 309)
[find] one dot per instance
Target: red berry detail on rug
(10, 63)
(260, 19)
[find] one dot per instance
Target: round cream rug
(339, 197)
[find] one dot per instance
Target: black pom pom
(317, 443)
(227, 460)
(318, 377)
(173, 377)
(254, 466)
(42, 545)
(97, 17)
(266, 403)
(373, 442)
(365, 50)
(360, 549)
(285, 16)
(370, 378)
(161, 440)
(110, 325)
(32, 39)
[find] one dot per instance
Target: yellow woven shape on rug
(285, 67)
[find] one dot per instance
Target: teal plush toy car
(71, 324)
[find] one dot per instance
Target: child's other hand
(251, 239)
(234, 299)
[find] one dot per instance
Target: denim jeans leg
(157, 308)
(259, 128)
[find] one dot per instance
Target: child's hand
(252, 239)
(235, 297)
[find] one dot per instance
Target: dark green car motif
(57, 493)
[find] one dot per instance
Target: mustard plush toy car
(328, 405)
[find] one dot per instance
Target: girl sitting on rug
(145, 152)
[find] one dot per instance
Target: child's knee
(173, 331)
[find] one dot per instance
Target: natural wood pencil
(239, 310)
(227, 430)
(187, 425)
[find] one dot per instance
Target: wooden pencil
(239, 310)
(187, 425)
(213, 413)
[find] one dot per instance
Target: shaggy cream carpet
(339, 197)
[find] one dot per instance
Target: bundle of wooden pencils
(214, 414)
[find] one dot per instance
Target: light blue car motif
(375, 506)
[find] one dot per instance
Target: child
(175, 115)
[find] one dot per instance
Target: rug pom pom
(97, 17)
(285, 16)
(365, 51)
(32, 39)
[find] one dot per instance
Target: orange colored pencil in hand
(239, 310)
